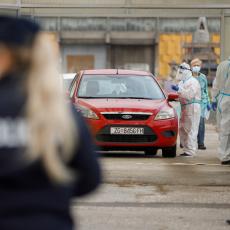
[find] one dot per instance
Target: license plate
(126, 131)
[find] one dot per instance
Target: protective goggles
(184, 68)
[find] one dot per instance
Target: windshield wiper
(87, 97)
(99, 97)
(145, 98)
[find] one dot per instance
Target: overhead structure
(113, 28)
(202, 48)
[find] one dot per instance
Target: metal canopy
(118, 8)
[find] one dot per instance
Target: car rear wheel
(150, 152)
(169, 152)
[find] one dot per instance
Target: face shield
(183, 72)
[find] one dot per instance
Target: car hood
(110, 105)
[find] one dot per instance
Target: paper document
(207, 114)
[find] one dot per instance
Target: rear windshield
(119, 86)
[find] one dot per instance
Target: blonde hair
(50, 120)
(196, 61)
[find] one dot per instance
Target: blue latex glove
(208, 107)
(214, 106)
(175, 87)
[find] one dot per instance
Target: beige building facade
(115, 34)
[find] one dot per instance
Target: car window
(66, 83)
(73, 86)
(119, 86)
(67, 78)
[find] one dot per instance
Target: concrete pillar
(225, 34)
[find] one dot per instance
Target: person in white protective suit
(190, 97)
(221, 103)
(205, 102)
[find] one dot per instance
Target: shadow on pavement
(124, 154)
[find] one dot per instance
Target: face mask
(196, 69)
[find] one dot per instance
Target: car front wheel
(169, 152)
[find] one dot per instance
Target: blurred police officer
(46, 153)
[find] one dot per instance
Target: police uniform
(28, 198)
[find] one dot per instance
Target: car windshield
(67, 78)
(119, 86)
(66, 83)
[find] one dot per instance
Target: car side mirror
(173, 97)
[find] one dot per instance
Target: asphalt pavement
(140, 192)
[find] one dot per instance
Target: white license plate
(126, 131)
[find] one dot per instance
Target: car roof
(68, 75)
(116, 71)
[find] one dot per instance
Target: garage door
(133, 56)
(76, 63)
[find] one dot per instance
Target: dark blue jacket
(28, 199)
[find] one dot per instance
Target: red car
(126, 110)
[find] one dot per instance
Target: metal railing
(112, 4)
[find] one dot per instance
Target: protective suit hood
(183, 72)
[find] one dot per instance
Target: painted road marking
(153, 205)
(182, 164)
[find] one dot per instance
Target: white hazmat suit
(221, 95)
(190, 98)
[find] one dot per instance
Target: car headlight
(88, 113)
(165, 114)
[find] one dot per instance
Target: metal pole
(18, 8)
(222, 36)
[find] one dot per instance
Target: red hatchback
(126, 110)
